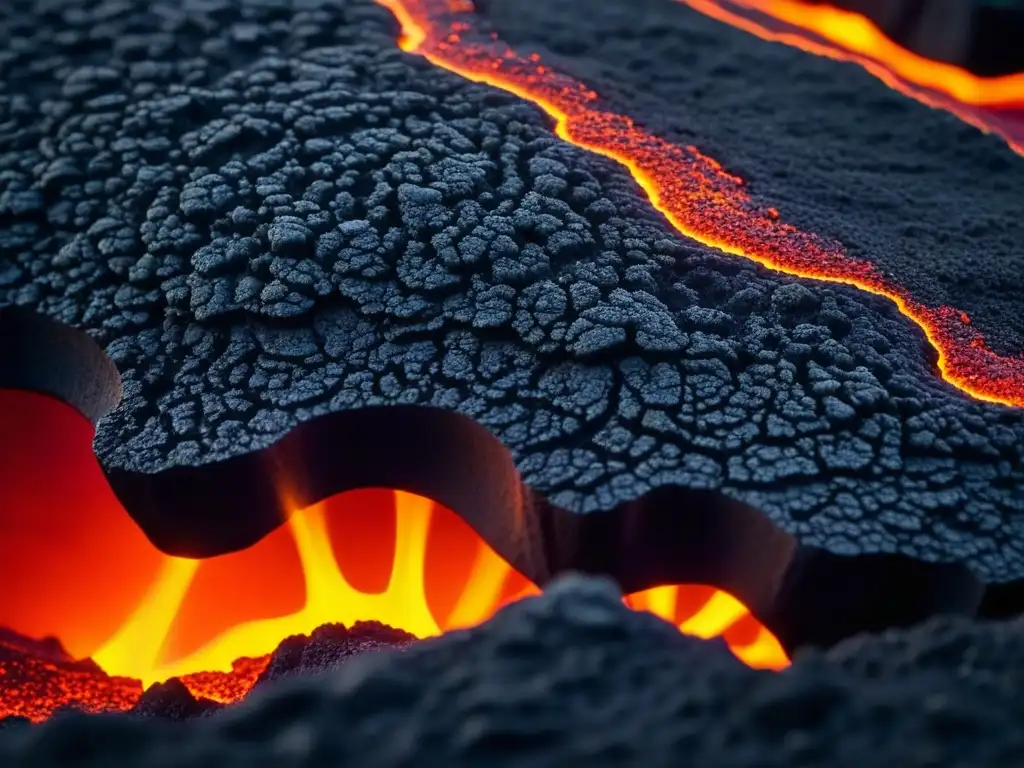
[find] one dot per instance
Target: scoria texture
(265, 213)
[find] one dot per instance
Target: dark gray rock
(328, 647)
(173, 701)
(979, 35)
(575, 678)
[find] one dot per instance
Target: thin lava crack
(700, 199)
(842, 35)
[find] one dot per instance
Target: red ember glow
(85, 575)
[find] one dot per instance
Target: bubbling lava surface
(98, 614)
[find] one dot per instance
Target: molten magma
(76, 568)
(993, 104)
(137, 650)
(696, 194)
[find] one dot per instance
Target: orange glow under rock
(76, 568)
(992, 104)
(697, 196)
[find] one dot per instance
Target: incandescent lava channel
(99, 613)
(993, 104)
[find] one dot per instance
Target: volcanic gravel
(575, 678)
(265, 212)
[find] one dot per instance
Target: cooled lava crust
(575, 678)
(290, 238)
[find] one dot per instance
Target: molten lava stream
(120, 615)
(993, 104)
(695, 193)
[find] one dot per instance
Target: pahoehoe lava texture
(927, 198)
(575, 678)
(266, 213)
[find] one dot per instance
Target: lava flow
(993, 104)
(116, 615)
(697, 196)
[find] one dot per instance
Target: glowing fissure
(990, 104)
(135, 650)
(121, 615)
(698, 197)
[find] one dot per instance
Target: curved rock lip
(806, 595)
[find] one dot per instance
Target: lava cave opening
(93, 613)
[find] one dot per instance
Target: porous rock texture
(575, 678)
(916, 191)
(265, 212)
(329, 646)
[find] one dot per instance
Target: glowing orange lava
(993, 104)
(698, 197)
(76, 568)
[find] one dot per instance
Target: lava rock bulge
(573, 677)
(266, 213)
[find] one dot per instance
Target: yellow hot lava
(137, 649)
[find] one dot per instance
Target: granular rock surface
(265, 213)
(575, 678)
(909, 188)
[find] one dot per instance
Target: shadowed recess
(100, 613)
(671, 536)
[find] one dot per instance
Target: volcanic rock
(173, 701)
(272, 219)
(575, 678)
(329, 646)
(39, 678)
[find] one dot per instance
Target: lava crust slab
(575, 678)
(281, 228)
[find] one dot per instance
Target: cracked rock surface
(575, 678)
(926, 197)
(265, 212)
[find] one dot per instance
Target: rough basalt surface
(914, 190)
(266, 213)
(39, 678)
(329, 646)
(575, 678)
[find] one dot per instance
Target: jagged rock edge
(807, 596)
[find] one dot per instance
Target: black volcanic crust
(575, 678)
(266, 214)
(927, 198)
